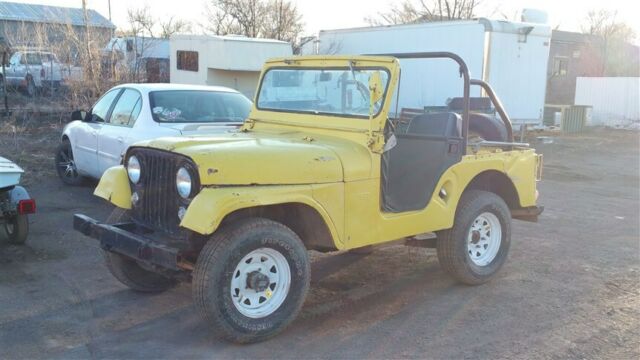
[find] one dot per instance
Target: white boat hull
(10, 173)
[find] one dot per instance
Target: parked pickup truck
(320, 163)
(33, 70)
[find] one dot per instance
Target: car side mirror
(79, 115)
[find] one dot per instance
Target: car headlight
(133, 169)
(183, 183)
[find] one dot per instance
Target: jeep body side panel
(351, 210)
(367, 224)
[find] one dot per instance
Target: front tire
(17, 229)
(251, 279)
(66, 166)
(127, 270)
(475, 249)
(30, 89)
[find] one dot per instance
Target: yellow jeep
(324, 162)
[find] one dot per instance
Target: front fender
(114, 187)
(211, 205)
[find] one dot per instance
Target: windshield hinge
(376, 141)
(248, 125)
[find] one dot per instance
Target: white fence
(615, 100)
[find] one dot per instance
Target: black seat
(439, 124)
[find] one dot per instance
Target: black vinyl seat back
(411, 170)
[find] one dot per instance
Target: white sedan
(97, 139)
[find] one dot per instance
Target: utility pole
(89, 64)
(112, 30)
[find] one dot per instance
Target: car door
(113, 136)
(85, 141)
(10, 75)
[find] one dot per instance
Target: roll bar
(464, 72)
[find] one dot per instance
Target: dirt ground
(570, 289)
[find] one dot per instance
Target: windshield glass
(343, 92)
(198, 106)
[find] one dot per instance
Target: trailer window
(332, 91)
(187, 60)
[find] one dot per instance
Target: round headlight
(183, 183)
(133, 169)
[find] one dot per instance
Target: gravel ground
(570, 289)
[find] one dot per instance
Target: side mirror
(79, 115)
(376, 90)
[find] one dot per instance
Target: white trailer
(511, 57)
(231, 61)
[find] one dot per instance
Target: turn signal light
(26, 207)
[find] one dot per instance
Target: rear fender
(18, 193)
(114, 187)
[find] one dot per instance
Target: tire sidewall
(505, 242)
(495, 206)
(223, 269)
(20, 229)
(66, 146)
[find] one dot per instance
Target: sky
(334, 14)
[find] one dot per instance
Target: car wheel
(251, 279)
(476, 247)
(31, 87)
(17, 229)
(66, 166)
(128, 271)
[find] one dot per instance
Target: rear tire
(17, 229)
(251, 279)
(127, 270)
(475, 249)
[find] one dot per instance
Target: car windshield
(179, 106)
(335, 91)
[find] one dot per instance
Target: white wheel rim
(260, 265)
(484, 238)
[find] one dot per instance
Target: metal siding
(50, 14)
(615, 100)
(518, 74)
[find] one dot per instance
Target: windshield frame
(322, 113)
(239, 122)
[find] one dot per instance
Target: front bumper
(129, 239)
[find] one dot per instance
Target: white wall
(615, 100)
(517, 72)
(229, 61)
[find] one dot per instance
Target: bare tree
(173, 26)
(412, 11)
(274, 19)
(141, 22)
(616, 37)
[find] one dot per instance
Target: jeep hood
(265, 158)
